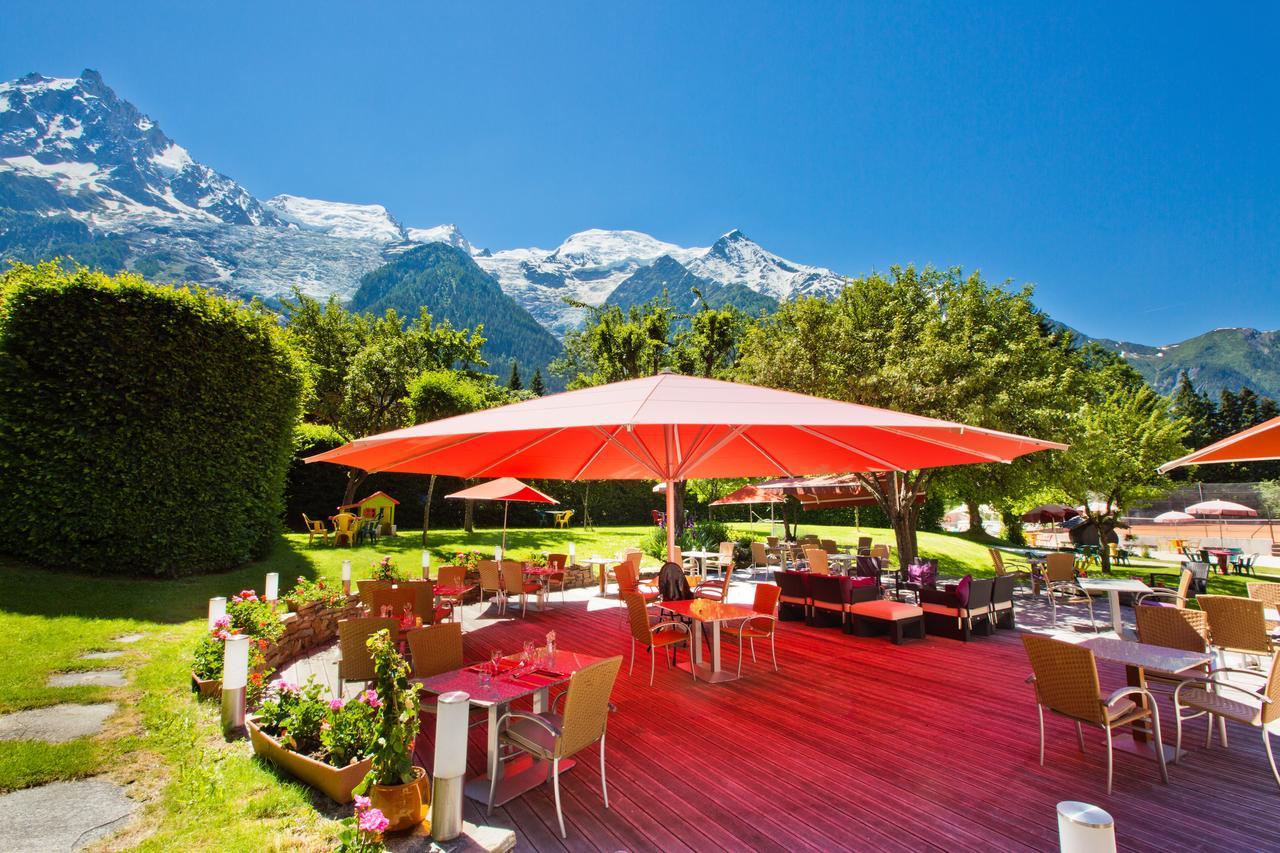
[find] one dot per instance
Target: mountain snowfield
(71, 147)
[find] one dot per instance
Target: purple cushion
(962, 590)
(862, 581)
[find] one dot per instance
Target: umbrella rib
(703, 432)
(940, 443)
(653, 469)
(844, 446)
(774, 462)
(692, 460)
(416, 456)
(521, 449)
(654, 464)
(595, 455)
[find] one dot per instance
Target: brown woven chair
(1267, 593)
(1065, 676)
(817, 559)
(881, 552)
(1236, 625)
(435, 649)
(1217, 697)
(628, 581)
(1168, 597)
(864, 546)
(452, 576)
(722, 561)
(662, 635)
(760, 627)
(1018, 572)
(559, 563)
(397, 598)
(490, 578)
(354, 661)
(1173, 628)
(829, 545)
(514, 583)
(553, 737)
(365, 590)
(1060, 581)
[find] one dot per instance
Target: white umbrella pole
(506, 505)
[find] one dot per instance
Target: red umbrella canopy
(671, 427)
(1254, 444)
(749, 494)
(1049, 512)
(1173, 516)
(1222, 509)
(504, 489)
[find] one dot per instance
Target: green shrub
(143, 429)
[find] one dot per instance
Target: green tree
(536, 385)
(1118, 441)
(931, 342)
(514, 382)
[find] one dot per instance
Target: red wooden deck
(860, 744)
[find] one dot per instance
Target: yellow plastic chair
(314, 529)
(345, 526)
(562, 519)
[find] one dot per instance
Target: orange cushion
(890, 611)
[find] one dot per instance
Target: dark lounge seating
(1002, 601)
(793, 602)
(960, 611)
(922, 574)
(826, 600)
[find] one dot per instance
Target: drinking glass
(527, 657)
(495, 662)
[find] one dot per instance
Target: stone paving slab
(89, 678)
(56, 723)
(474, 839)
(62, 815)
(108, 655)
(128, 638)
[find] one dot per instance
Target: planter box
(334, 782)
(206, 688)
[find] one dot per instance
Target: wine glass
(495, 661)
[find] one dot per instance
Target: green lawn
(196, 786)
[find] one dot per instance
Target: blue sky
(1123, 158)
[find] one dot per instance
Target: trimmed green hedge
(143, 429)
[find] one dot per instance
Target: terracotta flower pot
(206, 688)
(334, 782)
(403, 805)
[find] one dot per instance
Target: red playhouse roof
(504, 489)
(368, 498)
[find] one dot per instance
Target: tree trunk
(1013, 527)
(679, 507)
(426, 510)
(469, 516)
(1104, 527)
(975, 518)
(355, 477)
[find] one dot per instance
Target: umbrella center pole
(672, 521)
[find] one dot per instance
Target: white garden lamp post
(217, 609)
(235, 677)
(452, 717)
(272, 586)
(426, 564)
(346, 577)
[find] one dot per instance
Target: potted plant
(323, 742)
(206, 661)
(362, 832)
(308, 594)
(386, 570)
(397, 788)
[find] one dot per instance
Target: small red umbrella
(505, 489)
(1048, 513)
(1221, 510)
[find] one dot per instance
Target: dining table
(701, 557)
(1113, 587)
(496, 694)
(1223, 556)
(540, 575)
(603, 564)
(1137, 659)
(705, 611)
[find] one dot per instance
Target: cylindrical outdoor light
(1084, 828)
(235, 675)
(346, 577)
(426, 564)
(217, 609)
(497, 553)
(571, 553)
(453, 712)
(273, 586)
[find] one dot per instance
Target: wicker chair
(628, 581)
(864, 546)
(946, 615)
(1237, 625)
(880, 552)
(716, 590)
(827, 598)
(1167, 597)
(1266, 592)
(513, 583)
(490, 578)
(1173, 628)
(760, 559)
(365, 590)
(662, 635)
(454, 576)
(397, 598)
(559, 563)
(1060, 580)
(1065, 676)
(829, 545)
(760, 627)
(1259, 708)
(435, 649)
(817, 560)
(553, 737)
(722, 561)
(1001, 569)
(794, 596)
(354, 660)
(1002, 613)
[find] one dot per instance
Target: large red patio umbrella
(749, 494)
(1255, 444)
(1049, 513)
(505, 489)
(669, 428)
(1221, 510)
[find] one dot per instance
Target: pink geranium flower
(335, 704)
(362, 803)
(371, 699)
(372, 820)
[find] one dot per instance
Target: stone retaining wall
(313, 625)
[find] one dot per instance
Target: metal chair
(1237, 625)
(660, 635)
(1167, 597)
(1060, 579)
(1065, 676)
(513, 583)
(553, 737)
(490, 580)
(1259, 708)
(759, 627)
(354, 661)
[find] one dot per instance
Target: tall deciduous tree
(931, 342)
(1118, 441)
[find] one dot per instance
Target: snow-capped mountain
(734, 259)
(338, 219)
(69, 147)
(106, 161)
